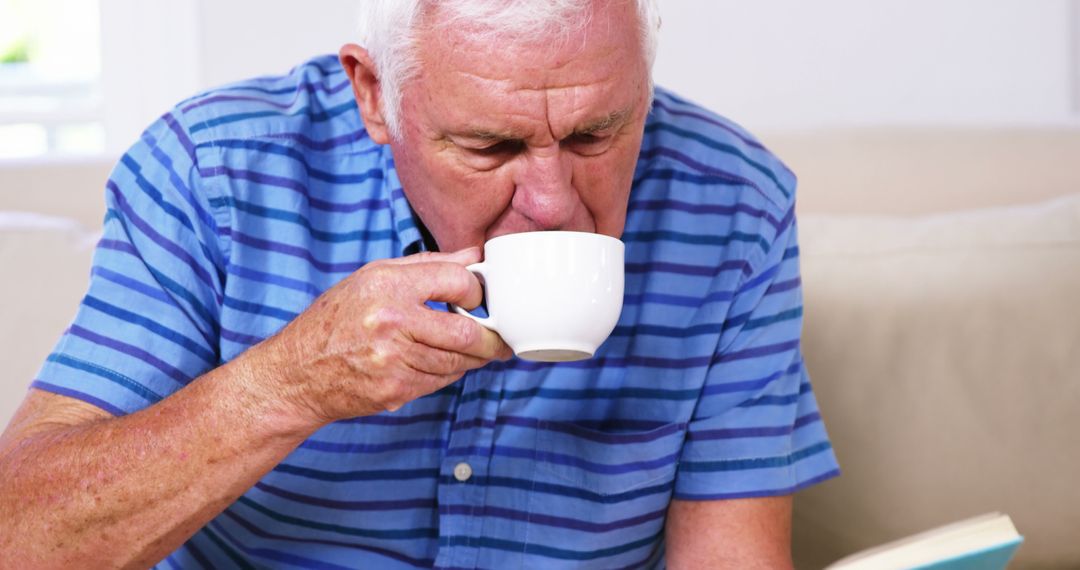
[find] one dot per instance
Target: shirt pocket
(608, 461)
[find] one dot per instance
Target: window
(50, 78)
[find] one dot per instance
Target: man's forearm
(127, 491)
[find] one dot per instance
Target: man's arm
(740, 534)
(84, 489)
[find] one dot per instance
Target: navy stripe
(635, 206)
(300, 220)
(549, 551)
(127, 282)
(291, 89)
(372, 475)
(549, 520)
(579, 429)
(686, 269)
(133, 351)
(181, 136)
(677, 300)
(782, 286)
(272, 279)
(49, 387)
(232, 554)
(393, 420)
(152, 326)
(208, 319)
(276, 555)
(756, 463)
(295, 251)
(746, 323)
(398, 445)
(240, 338)
(110, 375)
(696, 239)
(707, 119)
(306, 112)
(753, 432)
(259, 309)
(322, 205)
(762, 277)
(661, 151)
(331, 143)
(722, 147)
(198, 554)
(253, 529)
(789, 490)
(749, 385)
(387, 505)
(581, 394)
(277, 149)
(117, 245)
(383, 534)
(531, 485)
(758, 351)
(807, 420)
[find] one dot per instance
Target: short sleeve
(148, 324)
(756, 430)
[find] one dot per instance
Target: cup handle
(489, 321)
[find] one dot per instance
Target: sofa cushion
(943, 351)
(46, 263)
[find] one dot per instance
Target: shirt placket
(462, 494)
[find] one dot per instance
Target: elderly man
(263, 372)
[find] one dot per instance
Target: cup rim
(518, 235)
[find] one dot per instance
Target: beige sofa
(942, 333)
(942, 274)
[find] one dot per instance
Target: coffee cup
(553, 296)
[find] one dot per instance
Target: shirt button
(462, 471)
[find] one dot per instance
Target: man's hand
(370, 344)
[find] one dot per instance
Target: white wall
(769, 64)
(784, 64)
(242, 38)
(154, 54)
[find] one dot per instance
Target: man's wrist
(263, 376)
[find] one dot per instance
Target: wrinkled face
(540, 137)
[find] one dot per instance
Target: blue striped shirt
(240, 206)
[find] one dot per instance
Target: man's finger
(455, 333)
(439, 362)
(465, 256)
(443, 281)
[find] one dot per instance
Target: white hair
(389, 30)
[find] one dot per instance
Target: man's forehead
(524, 91)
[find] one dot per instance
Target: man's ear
(367, 90)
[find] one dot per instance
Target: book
(985, 542)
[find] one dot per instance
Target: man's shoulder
(692, 145)
(312, 106)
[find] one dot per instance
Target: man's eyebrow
(614, 119)
(611, 120)
(489, 136)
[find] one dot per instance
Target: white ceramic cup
(552, 296)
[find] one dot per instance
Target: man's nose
(544, 190)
